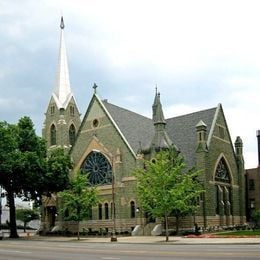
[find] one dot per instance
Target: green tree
(78, 200)
(256, 217)
(59, 165)
(25, 168)
(166, 188)
(26, 215)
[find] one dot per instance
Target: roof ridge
(125, 109)
(192, 113)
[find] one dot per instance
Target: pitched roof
(182, 131)
(138, 129)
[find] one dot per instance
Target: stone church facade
(110, 142)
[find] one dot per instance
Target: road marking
(15, 251)
(111, 258)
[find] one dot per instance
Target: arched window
(106, 211)
(98, 168)
(222, 173)
(223, 197)
(99, 211)
(132, 209)
(53, 135)
(72, 134)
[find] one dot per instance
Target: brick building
(253, 185)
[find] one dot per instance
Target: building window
(106, 211)
(52, 110)
(132, 208)
(95, 123)
(222, 173)
(72, 110)
(53, 135)
(221, 131)
(98, 168)
(217, 200)
(252, 203)
(251, 184)
(72, 134)
(99, 211)
(223, 189)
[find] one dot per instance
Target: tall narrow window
(132, 208)
(52, 110)
(251, 184)
(217, 199)
(223, 189)
(72, 134)
(72, 110)
(106, 211)
(53, 135)
(99, 211)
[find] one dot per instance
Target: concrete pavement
(145, 239)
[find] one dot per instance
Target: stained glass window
(98, 168)
(222, 173)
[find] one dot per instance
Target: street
(26, 249)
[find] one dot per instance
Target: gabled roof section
(182, 131)
(138, 130)
(62, 91)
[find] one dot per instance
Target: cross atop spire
(62, 92)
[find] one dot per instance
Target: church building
(110, 142)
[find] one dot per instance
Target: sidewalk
(178, 240)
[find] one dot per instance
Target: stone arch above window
(98, 168)
(222, 173)
(53, 135)
(72, 134)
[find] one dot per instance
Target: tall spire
(158, 116)
(62, 91)
(161, 138)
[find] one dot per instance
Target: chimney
(258, 145)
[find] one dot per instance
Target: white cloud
(200, 53)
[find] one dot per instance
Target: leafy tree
(26, 215)
(256, 217)
(59, 165)
(78, 200)
(165, 187)
(25, 168)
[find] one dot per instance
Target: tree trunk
(78, 230)
(166, 228)
(24, 227)
(12, 217)
(177, 224)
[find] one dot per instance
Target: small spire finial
(62, 25)
(155, 89)
(95, 88)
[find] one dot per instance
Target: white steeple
(62, 91)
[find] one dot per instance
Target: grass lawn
(240, 233)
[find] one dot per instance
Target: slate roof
(182, 129)
(137, 129)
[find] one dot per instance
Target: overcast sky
(198, 53)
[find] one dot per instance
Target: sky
(198, 54)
